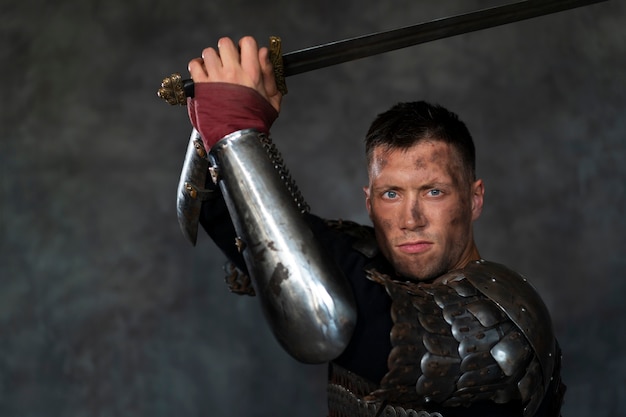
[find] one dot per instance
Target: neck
(470, 254)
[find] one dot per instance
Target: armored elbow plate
(306, 300)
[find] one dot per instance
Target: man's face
(422, 207)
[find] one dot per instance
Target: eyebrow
(424, 187)
(437, 184)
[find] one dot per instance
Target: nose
(412, 215)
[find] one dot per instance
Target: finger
(269, 80)
(197, 70)
(250, 59)
(228, 52)
(212, 60)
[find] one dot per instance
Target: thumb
(269, 79)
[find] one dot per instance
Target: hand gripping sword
(175, 90)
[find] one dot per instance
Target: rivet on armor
(213, 171)
(199, 148)
(241, 245)
(193, 193)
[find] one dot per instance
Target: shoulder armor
(464, 338)
(521, 303)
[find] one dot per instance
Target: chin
(420, 275)
(429, 273)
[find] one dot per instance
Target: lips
(415, 247)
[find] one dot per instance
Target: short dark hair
(406, 124)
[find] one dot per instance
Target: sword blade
(334, 53)
(174, 89)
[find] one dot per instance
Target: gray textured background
(105, 310)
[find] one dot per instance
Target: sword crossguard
(276, 57)
(174, 90)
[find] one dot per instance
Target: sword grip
(175, 90)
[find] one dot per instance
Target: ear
(478, 194)
(368, 202)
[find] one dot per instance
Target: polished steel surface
(305, 298)
(191, 192)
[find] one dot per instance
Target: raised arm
(306, 300)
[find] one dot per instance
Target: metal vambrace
(191, 192)
(305, 297)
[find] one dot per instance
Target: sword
(175, 90)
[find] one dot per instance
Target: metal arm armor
(306, 300)
(191, 192)
(479, 333)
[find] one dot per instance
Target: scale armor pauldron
(453, 345)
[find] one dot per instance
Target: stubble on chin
(423, 273)
(414, 268)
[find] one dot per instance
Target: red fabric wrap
(218, 109)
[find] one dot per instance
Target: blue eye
(390, 194)
(434, 192)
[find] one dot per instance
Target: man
(437, 331)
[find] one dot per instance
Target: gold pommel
(172, 90)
